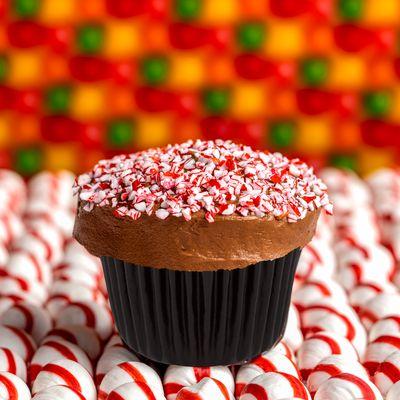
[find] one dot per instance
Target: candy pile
(318, 78)
(342, 342)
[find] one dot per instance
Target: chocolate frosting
(196, 245)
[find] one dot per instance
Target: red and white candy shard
(381, 306)
(13, 388)
(394, 392)
(134, 390)
(31, 318)
(130, 372)
(17, 340)
(389, 326)
(271, 361)
(12, 362)
(90, 314)
(332, 366)
(274, 386)
(177, 377)
(207, 388)
(388, 373)
(378, 350)
(58, 392)
(112, 357)
(320, 345)
(57, 349)
(220, 178)
(347, 387)
(67, 373)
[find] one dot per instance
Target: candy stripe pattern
(134, 390)
(207, 388)
(13, 388)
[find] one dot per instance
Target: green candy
(58, 99)
(351, 10)
(90, 38)
(282, 133)
(251, 35)
(314, 71)
(216, 101)
(155, 70)
(120, 133)
(26, 8)
(3, 67)
(28, 161)
(188, 9)
(344, 161)
(377, 104)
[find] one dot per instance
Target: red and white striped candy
(86, 338)
(56, 350)
(12, 362)
(58, 392)
(35, 291)
(13, 388)
(31, 318)
(29, 267)
(347, 387)
(177, 377)
(283, 348)
(389, 326)
(332, 366)
(134, 390)
(388, 373)
(319, 346)
(360, 295)
(381, 306)
(90, 314)
(115, 340)
(270, 361)
(11, 227)
(68, 373)
(8, 301)
(17, 340)
(130, 372)
(378, 350)
(293, 335)
(394, 392)
(275, 386)
(77, 275)
(207, 388)
(111, 357)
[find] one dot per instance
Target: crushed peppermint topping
(214, 177)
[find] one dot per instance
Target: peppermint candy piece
(17, 340)
(388, 373)
(378, 350)
(207, 388)
(134, 390)
(13, 388)
(394, 392)
(12, 362)
(58, 392)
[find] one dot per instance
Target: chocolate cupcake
(199, 244)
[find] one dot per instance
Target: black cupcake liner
(201, 318)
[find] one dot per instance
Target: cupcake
(199, 243)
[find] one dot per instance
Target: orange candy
(120, 101)
(381, 72)
(253, 8)
(320, 39)
(56, 68)
(347, 135)
(282, 102)
(156, 35)
(28, 129)
(220, 70)
(185, 129)
(92, 8)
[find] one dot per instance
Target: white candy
(347, 387)
(134, 390)
(270, 361)
(381, 306)
(388, 373)
(56, 350)
(13, 388)
(35, 291)
(177, 377)
(206, 389)
(378, 350)
(293, 335)
(332, 366)
(77, 275)
(319, 346)
(274, 386)
(29, 317)
(389, 326)
(111, 358)
(90, 314)
(394, 392)
(68, 373)
(58, 393)
(130, 372)
(17, 340)
(12, 362)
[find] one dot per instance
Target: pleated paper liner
(201, 318)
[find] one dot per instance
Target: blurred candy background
(83, 79)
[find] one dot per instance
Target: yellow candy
(58, 11)
(371, 158)
(122, 39)
(314, 135)
(60, 156)
(347, 72)
(152, 130)
(26, 68)
(186, 71)
(284, 39)
(381, 12)
(248, 100)
(5, 130)
(220, 12)
(88, 102)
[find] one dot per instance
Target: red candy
(89, 69)
(187, 36)
(314, 101)
(25, 34)
(253, 67)
(353, 38)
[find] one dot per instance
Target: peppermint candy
(394, 392)
(378, 350)
(58, 392)
(18, 341)
(388, 373)
(13, 388)
(12, 362)
(207, 388)
(381, 306)
(134, 390)
(389, 326)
